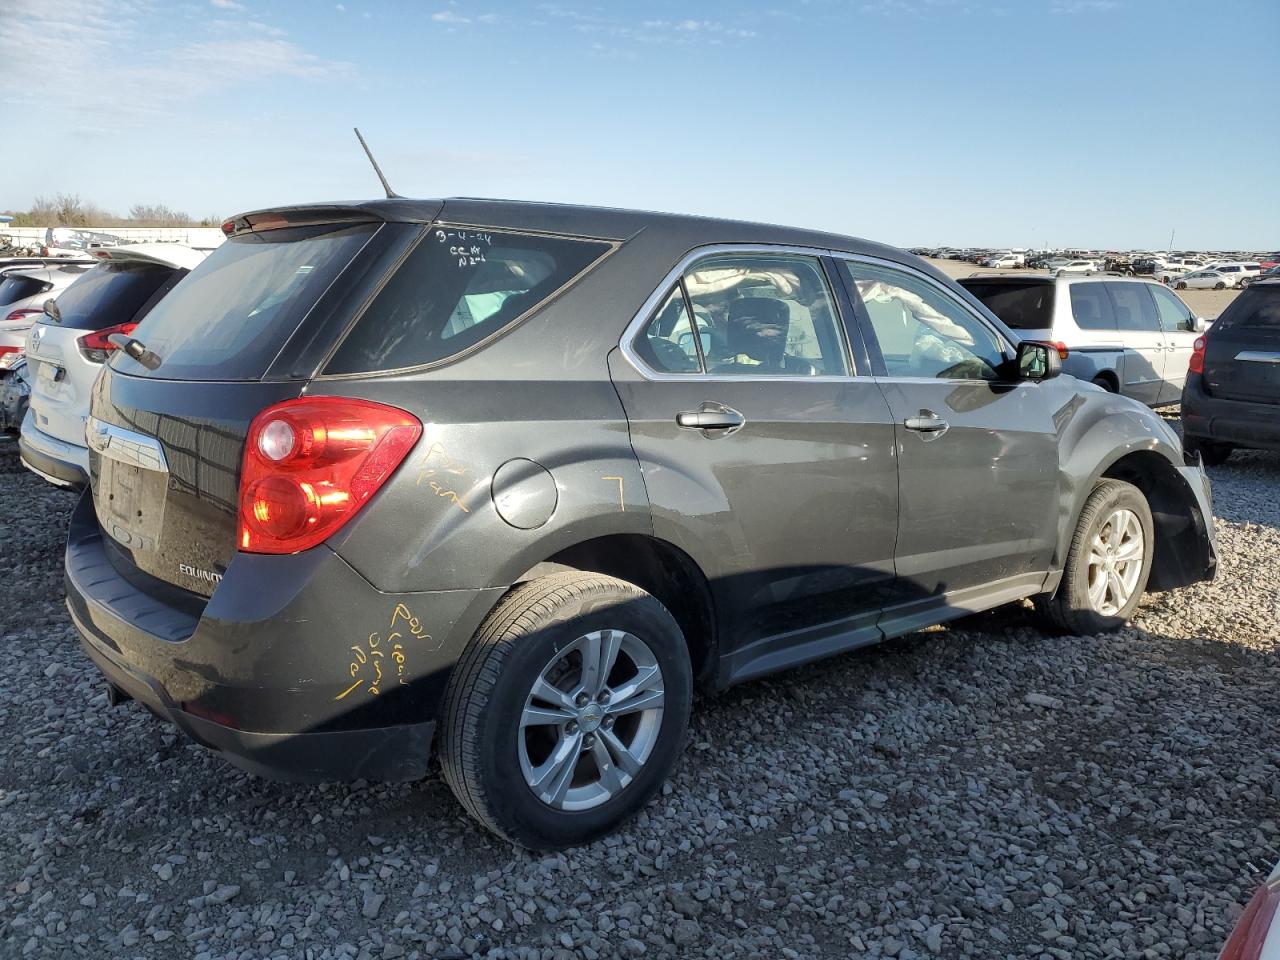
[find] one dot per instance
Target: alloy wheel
(1115, 562)
(591, 720)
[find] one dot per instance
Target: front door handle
(929, 425)
(713, 419)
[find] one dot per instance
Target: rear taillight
(1197, 355)
(6, 354)
(96, 347)
(310, 465)
(1252, 931)
(28, 314)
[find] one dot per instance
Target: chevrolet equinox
(513, 480)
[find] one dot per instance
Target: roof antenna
(391, 194)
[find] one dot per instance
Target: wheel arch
(1180, 552)
(659, 568)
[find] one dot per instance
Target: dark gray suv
(513, 480)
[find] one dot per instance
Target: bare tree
(158, 215)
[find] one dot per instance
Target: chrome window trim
(654, 300)
(125, 446)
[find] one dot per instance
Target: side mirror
(51, 308)
(1199, 324)
(1038, 361)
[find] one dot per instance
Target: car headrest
(758, 327)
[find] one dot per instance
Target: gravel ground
(904, 801)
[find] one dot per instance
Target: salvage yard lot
(906, 800)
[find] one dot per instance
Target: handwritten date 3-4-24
(380, 660)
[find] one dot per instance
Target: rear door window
(1091, 307)
(110, 293)
(667, 343)
(228, 319)
(1134, 309)
(1021, 306)
(458, 287)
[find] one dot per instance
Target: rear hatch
(1023, 304)
(63, 355)
(246, 329)
(1242, 349)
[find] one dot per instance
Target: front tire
(1219, 286)
(1108, 564)
(567, 710)
(1180, 286)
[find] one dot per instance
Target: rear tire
(1105, 383)
(1219, 286)
(524, 699)
(1214, 453)
(1108, 564)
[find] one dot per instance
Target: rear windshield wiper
(137, 350)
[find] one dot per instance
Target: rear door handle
(929, 425)
(712, 417)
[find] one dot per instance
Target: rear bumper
(62, 464)
(1244, 424)
(292, 670)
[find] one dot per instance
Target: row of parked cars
(510, 481)
(1183, 271)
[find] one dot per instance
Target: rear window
(1257, 308)
(457, 288)
(13, 289)
(110, 293)
(229, 318)
(1022, 306)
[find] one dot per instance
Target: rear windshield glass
(458, 287)
(110, 293)
(1256, 308)
(13, 289)
(1022, 306)
(230, 316)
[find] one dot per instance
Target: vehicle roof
(168, 254)
(605, 223)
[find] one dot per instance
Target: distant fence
(192, 236)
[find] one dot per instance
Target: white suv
(1129, 336)
(1237, 273)
(68, 345)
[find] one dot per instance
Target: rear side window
(1021, 306)
(15, 288)
(1258, 308)
(1135, 310)
(458, 287)
(230, 316)
(110, 293)
(1091, 307)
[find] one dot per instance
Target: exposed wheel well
(660, 569)
(1181, 554)
(1108, 380)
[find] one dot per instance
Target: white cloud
(122, 80)
(341, 8)
(448, 16)
(226, 4)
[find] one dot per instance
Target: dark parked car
(514, 479)
(1232, 395)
